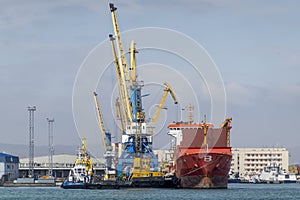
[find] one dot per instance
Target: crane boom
(123, 72)
(132, 62)
(118, 39)
(167, 90)
(120, 83)
(100, 119)
(119, 116)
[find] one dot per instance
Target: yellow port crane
(106, 136)
(100, 120)
(130, 112)
(167, 90)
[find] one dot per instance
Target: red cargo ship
(203, 155)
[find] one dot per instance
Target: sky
(253, 44)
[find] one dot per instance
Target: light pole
(31, 140)
(50, 145)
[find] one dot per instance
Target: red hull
(198, 169)
(202, 156)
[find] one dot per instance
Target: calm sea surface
(234, 191)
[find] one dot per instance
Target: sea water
(234, 191)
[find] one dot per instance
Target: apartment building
(249, 161)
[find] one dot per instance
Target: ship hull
(73, 185)
(204, 182)
(199, 168)
(81, 185)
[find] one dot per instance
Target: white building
(61, 165)
(249, 161)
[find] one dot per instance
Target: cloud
(287, 94)
(248, 95)
(283, 53)
(21, 14)
(240, 95)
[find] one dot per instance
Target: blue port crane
(137, 132)
(136, 139)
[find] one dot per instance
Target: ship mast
(204, 132)
(191, 117)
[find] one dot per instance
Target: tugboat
(81, 175)
(273, 173)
